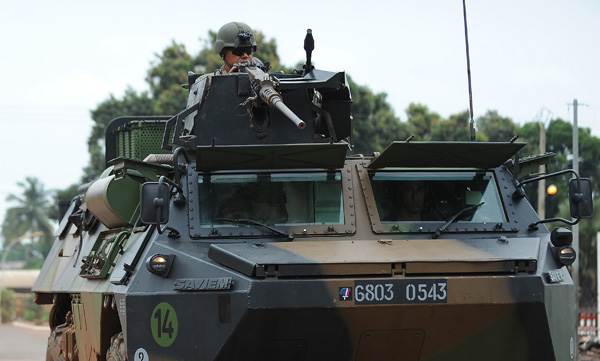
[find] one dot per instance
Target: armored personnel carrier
(239, 229)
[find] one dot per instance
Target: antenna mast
(471, 122)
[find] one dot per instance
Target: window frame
(199, 231)
(383, 227)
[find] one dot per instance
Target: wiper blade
(454, 218)
(252, 222)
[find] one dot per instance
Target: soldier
(412, 200)
(235, 44)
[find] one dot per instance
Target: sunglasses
(241, 51)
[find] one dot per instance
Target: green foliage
(29, 252)
(165, 77)
(375, 125)
(267, 52)
(8, 305)
(589, 156)
(455, 128)
(16, 253)
(495, 127)
(29, 216)
(530, 133)
(207, 60)
(32, 311)
(132, 103)
(421, 121)
(62, 195)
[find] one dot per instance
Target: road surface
(23, 343)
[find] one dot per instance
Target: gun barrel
(273, 99)
(290, 114)
(268, 94)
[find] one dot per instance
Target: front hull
(309, 320)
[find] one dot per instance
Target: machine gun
(264, 86)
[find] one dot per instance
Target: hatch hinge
(525, 266)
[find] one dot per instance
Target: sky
(59, 59)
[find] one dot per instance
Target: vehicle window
(436, 197)
(275, 199)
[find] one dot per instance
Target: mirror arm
(530, 180)
(180, 198)
(519, 193)
(573, 222)
(159, 203)
(579, 195)
(176, 162)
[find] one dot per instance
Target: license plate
(400, 291)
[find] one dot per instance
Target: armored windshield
(436, 197)
(278, 199)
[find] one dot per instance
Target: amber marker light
(566, 255)
(552, 189)
(160, 264)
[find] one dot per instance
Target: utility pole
(576, 169)
(541, 208)
(542, 184)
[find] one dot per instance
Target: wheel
(117, 350)
(54, 350)
(62, 345)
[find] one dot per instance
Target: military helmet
(234, 35)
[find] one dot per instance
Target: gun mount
(253, 107)
(264, 85)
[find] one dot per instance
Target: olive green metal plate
(337, 258)
(445, 155)
(532, 164)
(293, 156)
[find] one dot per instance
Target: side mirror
(155, 203)
(580, 198)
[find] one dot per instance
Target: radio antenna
(471, 122)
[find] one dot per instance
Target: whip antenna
(471, 122)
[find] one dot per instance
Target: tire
(117, 350)
(55, 351)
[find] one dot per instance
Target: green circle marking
(163, 323)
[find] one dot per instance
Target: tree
(559, 139)
(29, 216)
(421, 121)
(131, 104)
(530, 134)
(456, 128)
(165, 78)
(8, 305)
(375, 125)
(589, 157)
(495, 127)
(62, 195)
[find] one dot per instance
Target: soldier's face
(413, 196)
(231, 58)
